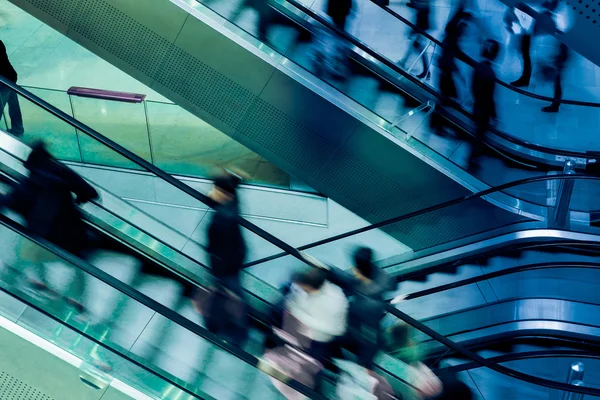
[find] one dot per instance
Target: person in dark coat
(366, 288)
(447, 65)
(45, 199)
(483, 90)
(9, 97)
(339, 10)
(227, 250)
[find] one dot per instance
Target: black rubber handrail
(281, 244)
(508, 300)
(539, 335)
(558, 353)
(424, 211)
(103, 345)
(503, 272)
(454, 104)
(486, 363)
(146, 301)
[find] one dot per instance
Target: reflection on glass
(123, 122)
(39, 124)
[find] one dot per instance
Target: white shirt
(324, 313)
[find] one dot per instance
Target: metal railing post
(559, 216)
(575, 377)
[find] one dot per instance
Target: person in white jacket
(320, 310)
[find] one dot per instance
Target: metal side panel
(252, 95)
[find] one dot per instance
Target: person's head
(399, 336)
(225, 188)
(363, 263)
(550, 5)
(39, 155)
(310, 281)
(490, 49)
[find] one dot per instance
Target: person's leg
(553, 108)
(265, 16)
(32, 259)
(4, 94)
(238, 320)
(14, 111)
(482, 123)
(526, 56)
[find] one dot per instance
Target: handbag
(285, 363)
(427, 382)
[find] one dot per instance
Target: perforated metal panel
(130, 41)
(61, 10)
(206, 88)
(588, 9)
(282, 135)
(12, 388)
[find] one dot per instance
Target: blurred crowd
(454, 81)
(328, 326)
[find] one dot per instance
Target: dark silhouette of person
(264, 13)
(447, 68)
(339, 10)
(423, 23)
(8, 96)
(45, 199)
(483, 90)
(559, 63)
(227, 250)
(366, 287)
(527, 24)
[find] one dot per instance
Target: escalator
(337, 152)
(117, 337)
(181, 273)
(531, 307)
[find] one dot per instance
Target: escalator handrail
(426, 210)
(277, 242)
(503, 272)
(486, 363)
(527, 355)
(149, 303)
(97, 342)
(388, 63)
(471, 62)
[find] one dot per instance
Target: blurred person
(422, 10)
(366, 287)
(483, 87)
(446, 386)
(46, 202)
(448, 70)
(264, 15)
(523, 26)
(554, 72)
(8, 96)
(399, 340)
(359, 382)
(316, 312)
(339, 11)
(331, 51)
(227, 249)
(554, 69)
